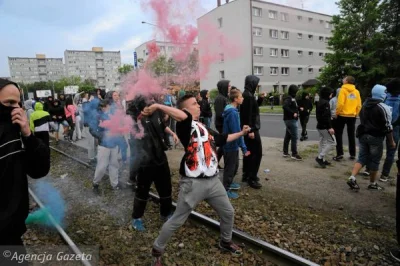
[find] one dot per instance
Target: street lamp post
(165, 51)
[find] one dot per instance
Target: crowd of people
(162, 118)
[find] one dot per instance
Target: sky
(51, 27)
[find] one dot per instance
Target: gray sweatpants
(192, 192)
(326, 142)
(91, 145)
(107, 157)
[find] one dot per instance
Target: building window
(300, 53)
(276, 88)
(273, 34)
(258, 51)
(320, 70)
(258, 71)
(310, 20)
(285, 35)
(300, 18)
(257, 31)
(285, 16)
(220, 21)
(222, 74)
(273, 14)
(310, 37)
(284, 88)
(310, 70)
(222, 58)
(273, 52)
(257, 12)
(285, 71)
(311, 53)
(284, 53)
(171, 48)
(321, 54)
(327, 39)
(300, 70)
(299, 35)
(273, 71)
(321, 38)
(327, 25)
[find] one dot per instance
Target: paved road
(273, 126)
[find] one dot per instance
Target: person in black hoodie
(290, 116)
(250, 115)
(305, 108)
(219, 106)
(62, 99)
(57, 115)
(324, 126)
(47, 104)
(205, 108)
(21, 154)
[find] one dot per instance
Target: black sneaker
(95, 188)
(353, 184)
(231, 247)
(395, 253)
(255, 184)
(338, 158)
(285, 155)
(306, 137)
(296, 157)
(366, 173)
(327, 163)
(320, 162)
(384, 178)
(302, 138)
(375, 186)
(352, 158)
(156, 257)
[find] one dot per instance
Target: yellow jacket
(349, 101)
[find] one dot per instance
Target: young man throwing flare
(199, 174)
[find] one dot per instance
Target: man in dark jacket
(375, 124)
(305, 108)
(324, 126)
(47, 104)
(205, 108)
(250, 115)
(219, 106)
(21, 154)
(290, 116)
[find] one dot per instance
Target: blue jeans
(371, 151)
(390, 153)
(291, 135)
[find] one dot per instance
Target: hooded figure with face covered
(290, 116)
(250, 115)
(324, 126)
(21, 154)
(219, 106)
(375, 125)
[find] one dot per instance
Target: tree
(125, 69)
(391, 36)
(356, 44)
(161, 65)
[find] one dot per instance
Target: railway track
(74, 248)
(273, 253)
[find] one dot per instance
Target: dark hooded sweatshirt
(375, 118)
(48, 103)
(324, 120)
(249, 110)
(19, 157)
(220, 102)
(306, 104)
(205, 107)
(290, 105)
(56, 112)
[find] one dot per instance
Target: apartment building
(35, 69)
(166, 48)
(96, 64)
(282, 45)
